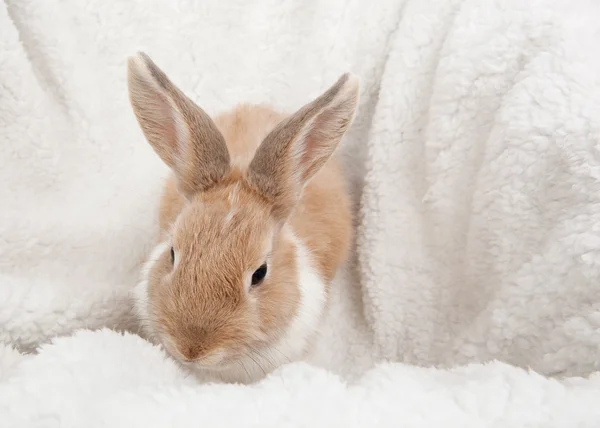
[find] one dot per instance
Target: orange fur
(227, 215)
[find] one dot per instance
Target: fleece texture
(474, 163)
(103, 379)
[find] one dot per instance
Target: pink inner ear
(167, 128)
(156, 118)
(319, 142)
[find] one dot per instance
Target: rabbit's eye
(259, 274)
(172, 256)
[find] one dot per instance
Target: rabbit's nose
(199, 355)
(190, 353)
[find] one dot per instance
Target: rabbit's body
(255, 222)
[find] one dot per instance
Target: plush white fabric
(474, 163)
(101, 379)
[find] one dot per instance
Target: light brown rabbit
(255, 221)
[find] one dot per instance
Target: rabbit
(254, 223)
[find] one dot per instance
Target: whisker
(274, 348)
(266, 357)
(241, 363)
(257, 363)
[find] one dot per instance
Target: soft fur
(253, 190)
(473, 162)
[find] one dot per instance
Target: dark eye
(259, 275)
(172, 256)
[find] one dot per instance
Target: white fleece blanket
(474, 160)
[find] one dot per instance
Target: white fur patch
(227, 219)
(311, 305)
(234, 197)
(140, 291)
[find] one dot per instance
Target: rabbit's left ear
(300, 145)
(180, 132)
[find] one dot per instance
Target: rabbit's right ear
(180, 132)
(299, 146)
